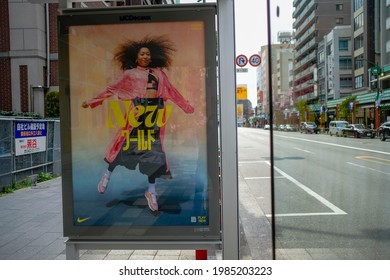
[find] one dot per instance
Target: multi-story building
(281, 61)
(366, 47)
(313, 20)
(385, 40)
(335, 64)
(284, 62)
(28, 54)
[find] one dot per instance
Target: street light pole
(378, 73)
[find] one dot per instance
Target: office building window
(339, 7)
(339, 21)
(345, 63)
(359, 61)
(359, 81)
(358, 21)
(359, 42)
(346, 82)
(357, 4)
(343, 44)
(321, 57)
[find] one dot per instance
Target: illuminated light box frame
(189, 207)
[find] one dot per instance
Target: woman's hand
(85, 104)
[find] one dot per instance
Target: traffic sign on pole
(255, 60)
(241, 60)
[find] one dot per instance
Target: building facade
(335, 64)
(313, 20)
(29, 50)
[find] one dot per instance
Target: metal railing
(15, 168)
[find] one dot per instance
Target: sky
(251, 32)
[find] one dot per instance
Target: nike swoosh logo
(79, 220)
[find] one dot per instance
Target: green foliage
(26, 183)
(52, 104)
(15, 186)
(345, 112)
(45, 177)
(302, 109)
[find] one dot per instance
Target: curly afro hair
(160, 47)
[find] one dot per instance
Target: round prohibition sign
(241, 60)
(255, 60)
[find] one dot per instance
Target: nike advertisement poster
(139, 124)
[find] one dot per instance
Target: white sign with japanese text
(30, 137)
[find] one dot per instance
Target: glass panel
(330, 189)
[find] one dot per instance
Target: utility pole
(377, 71)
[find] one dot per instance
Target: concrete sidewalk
(31, 229)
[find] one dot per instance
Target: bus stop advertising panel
(139, 123)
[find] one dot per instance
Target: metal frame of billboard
(228, 153)
(208, 234)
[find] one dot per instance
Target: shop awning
(362, 99)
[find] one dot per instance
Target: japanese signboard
(242, 92)
(30, 137)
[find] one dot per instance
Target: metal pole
(270, 97)
(376, 105)
(228, 120)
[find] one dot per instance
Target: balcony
(304, 73)
(309, 45)
(307, 27)
(303, 15)
(312, 57)
(299, 7)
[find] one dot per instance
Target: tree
(302, 109)
(52, 104)
(345, 110)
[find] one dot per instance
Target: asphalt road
(331, 193)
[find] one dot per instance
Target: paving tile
(141, 257)
(117, 257)
(166, 257)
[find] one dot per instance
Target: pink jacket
(133, 84)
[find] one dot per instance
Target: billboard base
(73, 246)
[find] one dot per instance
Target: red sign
(241, 60)
(255, 60)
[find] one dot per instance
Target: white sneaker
(103, 184)
(152, 201)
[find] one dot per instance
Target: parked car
(308, 127)
(358, 131)
(384, 131)
(289, 127)
(267, 127)
(281, 127)
(336, 127)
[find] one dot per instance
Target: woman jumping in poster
(146, 88)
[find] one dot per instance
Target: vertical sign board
(139, 123)
(30, 137)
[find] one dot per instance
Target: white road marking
(365, 167)
(334, 208)
(302, 150)
(336, 145)
(264, 177)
